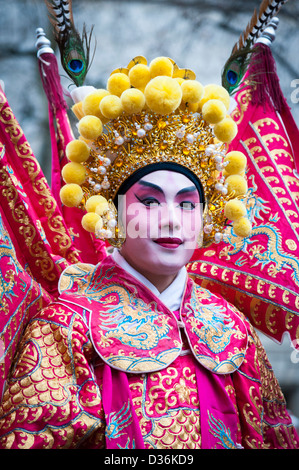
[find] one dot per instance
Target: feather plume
(259, 20)
(243, 51)
(74, 49)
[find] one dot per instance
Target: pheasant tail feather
(241, 55)
(259, 20)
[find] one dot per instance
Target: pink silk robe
(110, 366)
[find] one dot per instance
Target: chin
(170, 264)
(156, 260)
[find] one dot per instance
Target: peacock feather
(244, 51)
(74, 49)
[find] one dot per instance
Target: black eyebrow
(151, 185)
(190, 189)
(155, 186)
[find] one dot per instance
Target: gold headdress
(153, 114)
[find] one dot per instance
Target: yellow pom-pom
(226, 175)
(236, 162)
(139, 76)
(192, 91)
(190, 107)
(237, 185)
(89, 221)
(118, 83)
(234, 209)
(90, 127)
(111, 107)
(77, 151)
(73, 173)
(77, 109)
(242, 227)
(94, 201)
(161, 66)
(91, 103)
(226, 130)
(132, 101)
(215, 92)
(71, 195)
(213, 111)
(99, 225)
(102, 207)
(163, 95)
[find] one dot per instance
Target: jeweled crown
(151, 114)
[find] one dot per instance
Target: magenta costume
(110, 366)
(107, 361)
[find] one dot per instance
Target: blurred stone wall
(196, 34)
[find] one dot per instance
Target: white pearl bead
(112, 223)
(180, 134)
(190, 138)
(218, 237)
(141, 133)
(105, 184)
(208, 228)
(119, 141)
(108, 234)
(102, 170)
(106, 161)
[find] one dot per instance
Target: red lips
(171, 243)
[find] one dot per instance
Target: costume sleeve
(278, 430)
(264, 418)
(51, 398)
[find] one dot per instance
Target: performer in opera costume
(132, 353)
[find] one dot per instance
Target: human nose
(170, 218)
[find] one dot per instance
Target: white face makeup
(162, 216)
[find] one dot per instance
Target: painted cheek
(136, 221)
(192, 224)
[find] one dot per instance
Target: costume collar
(171, 296)
(134, 331)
